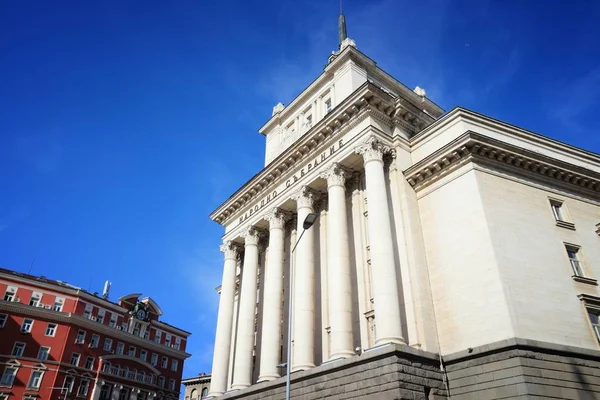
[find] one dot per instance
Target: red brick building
(58, 341)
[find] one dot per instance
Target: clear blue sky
(123, 124)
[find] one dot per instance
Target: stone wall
(519, 368)
(389, 372)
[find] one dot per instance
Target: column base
(264, 378)
(390, 339)
(341, 354)
(238, 386)
(215, 394)
(303, 367)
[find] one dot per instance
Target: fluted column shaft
(338, 266)
(273, 298)
(304, 288)
(388, 328)
(220, 364)
(242, 375)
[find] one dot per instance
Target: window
(80, 337)
(3, 319)
(113, 321)
(84, 386)
(124, 394)
(18, 349)
(43, 353)
(27, 325)
(161, 381)
(106, 366)
(100, 317)
(572, 252)
(107, 344)
(35, 299)
(35, 380)
(143, 354)
(124, 326)
(131, 351)
(94, 341)
(158, 336)
(171, 384)
(147, 333)
(560, 214)
(115, 370)
(9, 295)
(154, 359)
(87, 313)
(308, 120)
(75, 359)
(327, 105)
(174, 365)
(120, 348)
(177, 343)
(105, 392)
(68, 384)
(136, 328)
(89, 363)
(8, 376)
(50, 329)
(204, 392)
(168, 339)
(58, 304)
(163, 362)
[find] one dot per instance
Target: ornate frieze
(484, 150)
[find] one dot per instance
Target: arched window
(193, 394)
(204, 392)
(106, 366)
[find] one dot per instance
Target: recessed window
(560, 214)
(58, 304)
(68, 384)
(80, 337)
(113, 321)
(131, 351)
(94, 341)
(18, 349)
(163, 362)
(158, 336)
(143, 355)
(161, 381)
(10, 293)
(88, 311)
(35, 380)
(154, 359)
(75, 359)
(576, 265)
(84, 386)
(328, 107)
(107, 344)
(89, 363)
(35, 300)
(174, 365)
(3, 319)
(204, 392)
(8, 376)
(171, 384)
(120, 348)
(50, 329)
(43, 353)
(27, 325)
(100, 317)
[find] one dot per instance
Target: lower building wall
(387, 373)
(518, 368)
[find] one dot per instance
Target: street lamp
(308, 222)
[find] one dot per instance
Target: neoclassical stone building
(453, 254)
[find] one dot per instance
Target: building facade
(197, 388)
(59, 341)
(453, 255)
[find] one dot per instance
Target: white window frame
(158, 336)
(174, 364)
(76, 356)
(154, 359)
(27, 325)
(84, 387)
(20, 346)
(172, 384)
(94, 341)
(577, 265)
(161, 382)
(47, 352)
(36, 299)
(80, 338)
(131, 351)
(143, 354)
(59, 303)
(164, 362)
(52, 327)
(30, 384)
(6, 379)
(89, 360)
(112, 322)
(3, 319)
(120, 348)
(10, 294)
(68, 384)
(108, 344)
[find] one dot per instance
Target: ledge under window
(565, 224)
(582, 279)
(598, 228)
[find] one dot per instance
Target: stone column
(273, 298)
(338, 266)
(242, 368)
(224, 321)
(303, 355)
(383, 267)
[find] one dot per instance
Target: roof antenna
(342, 26)
(30, 267)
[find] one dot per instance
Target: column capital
(252, 236)
(230, 249)
(336, 175)
(305, 197)
(277, 218)
(373, 150)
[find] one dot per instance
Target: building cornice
(367, 101)
(166, 327)
(70, 318)
(146, 364)
(196, 380)
(481, 149)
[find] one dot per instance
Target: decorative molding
(598, 228)
(583, 279)
(336, 175)
(473, 147)
(252, 236)
(277, 218)
(305, 197)
(373, 150)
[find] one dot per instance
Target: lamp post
(307, 224)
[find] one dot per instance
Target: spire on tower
(342, 25)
